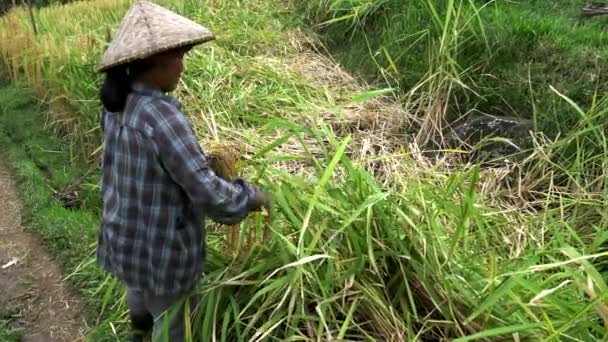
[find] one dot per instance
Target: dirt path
(31, 284)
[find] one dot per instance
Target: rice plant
(366, 243)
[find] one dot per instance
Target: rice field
(369, 239)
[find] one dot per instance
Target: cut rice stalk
(224, 160)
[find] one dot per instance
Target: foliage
(408, 252)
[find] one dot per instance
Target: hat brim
(145, 54)
(148, 29)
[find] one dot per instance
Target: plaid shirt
(157, 189)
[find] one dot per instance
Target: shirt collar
(145, 90)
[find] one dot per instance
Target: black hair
(115, 88)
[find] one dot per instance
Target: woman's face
(166, 69)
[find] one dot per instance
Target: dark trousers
(168, 313)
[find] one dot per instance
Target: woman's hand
(262, 200)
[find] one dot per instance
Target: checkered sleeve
(181, 156)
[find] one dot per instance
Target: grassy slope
(521, 49)
(439, 253)
(41, 161)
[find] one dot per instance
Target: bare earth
(31, 284)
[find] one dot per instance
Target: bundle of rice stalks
(224, 159)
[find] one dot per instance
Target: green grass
(532, 59)
(428, 255)
(9, 332)
(41, 162)
(509, 52)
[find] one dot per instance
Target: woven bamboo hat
(148, 29)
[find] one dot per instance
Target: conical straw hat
(148, 29)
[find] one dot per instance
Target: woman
(157, 186)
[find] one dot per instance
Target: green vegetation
(42, 163)
(364, 245)
(501, 55)
(8, 332)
